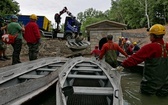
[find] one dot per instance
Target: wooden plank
(27, 76)
(93, 90)
(87, 76)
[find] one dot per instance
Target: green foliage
(91, 16)
(130, 12)
(8, 7)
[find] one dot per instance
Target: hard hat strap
(164, 49)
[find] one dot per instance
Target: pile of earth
(48, 48)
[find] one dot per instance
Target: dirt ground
(53, 48)
(48, 48)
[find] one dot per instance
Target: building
(101, 29)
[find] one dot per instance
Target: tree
(139, 13)
(90, 16)
(9, 7)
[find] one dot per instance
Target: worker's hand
(120, 68)
(98, 58)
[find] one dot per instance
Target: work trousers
(33, 51)
(17, 46)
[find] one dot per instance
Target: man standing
(14, 28)
(155, 55)
(32, 37)
(110, 49)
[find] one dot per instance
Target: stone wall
(96, 36)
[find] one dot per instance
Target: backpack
(111, 57)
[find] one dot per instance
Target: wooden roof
(106, 25)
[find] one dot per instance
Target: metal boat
(86, 81)
(21, 82)
(77, 45)
(121, 58)
(137, 69)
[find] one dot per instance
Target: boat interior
(88, 84)
(28, 72)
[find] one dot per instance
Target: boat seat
(80, 43)
(75, 43)
(93, 90)
(84, 69)
(70, 43)
(87, 76)
(86, 65)
(45, 69)
(55, 65)
(29, 76)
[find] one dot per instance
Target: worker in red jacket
(32, 37)
(113, 47)
(96, 52)
(155, 55)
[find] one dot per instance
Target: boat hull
(88, 81)
(16, 94)
(77, 46)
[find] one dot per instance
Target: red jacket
(149, 51)
(95, 52)
(32, 32)
(115, 47)
(129, 50)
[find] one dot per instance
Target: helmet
(33, 16)
(14, 17)
(135, 43)
(128, 42)
(157, 29)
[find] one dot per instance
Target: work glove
(120, 68)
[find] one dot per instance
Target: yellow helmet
(33, 16)
(135, 43)
(157, 29)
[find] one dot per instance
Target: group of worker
(123, 43)
(30, 33)
(155, 57)
(154, 54)
(128, 46)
